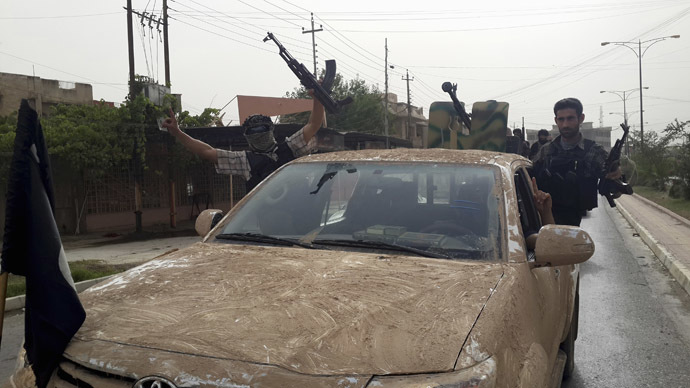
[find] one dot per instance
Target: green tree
(8, 125)
(653, 162)
(680, 132)
(364, 114)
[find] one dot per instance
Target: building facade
(411, 126)
(42, 93)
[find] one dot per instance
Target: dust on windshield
(446, 210)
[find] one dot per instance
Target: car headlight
(482, 375)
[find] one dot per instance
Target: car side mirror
(562, 245)
(207, 220)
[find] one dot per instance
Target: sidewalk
(118, 236)
(119, 247)
(666, 233)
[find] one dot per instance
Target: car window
(529, 217)
(450, 209)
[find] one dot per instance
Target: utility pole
(166, 50)
(313, 39)
(385, 97)
(137, 165)
(409, 105)
(130, 45)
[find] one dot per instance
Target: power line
(262, 29)
(261, 10)
(62, 71)
(222, 36)
(59, 17)
(589, 19)
(296, 6)
(283, 9)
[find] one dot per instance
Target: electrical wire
(262, 29)
(64, 72)
(283, 9)
(58, 17)
(222, 36)
(267, 13)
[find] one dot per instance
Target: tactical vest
(570, 177)
(261, 165)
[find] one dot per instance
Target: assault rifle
(322, 91)
(614, 188)
(450, 89)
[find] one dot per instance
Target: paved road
(634, 318)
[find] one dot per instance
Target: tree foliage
(680, 132)
(93, 139)
(653, 162)
(364, 114)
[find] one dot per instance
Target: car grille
(69, 374)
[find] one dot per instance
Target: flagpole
(3, 294)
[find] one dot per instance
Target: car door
(550, 282)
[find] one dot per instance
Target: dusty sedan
(396, 268)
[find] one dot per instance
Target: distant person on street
(542, 138)
(523, 149)
(570, 167)
(265, 156)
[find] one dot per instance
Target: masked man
(265, 156)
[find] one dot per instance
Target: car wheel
(568, 346)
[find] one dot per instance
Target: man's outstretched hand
(171, 123)
(543, 203)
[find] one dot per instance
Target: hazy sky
(528, 53)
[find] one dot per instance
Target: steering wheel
(276, 195)
(448, 228)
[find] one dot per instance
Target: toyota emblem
(154, 382)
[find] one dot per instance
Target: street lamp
(623, 95)
(640, 54)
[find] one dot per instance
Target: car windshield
(443, 210)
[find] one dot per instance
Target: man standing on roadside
(542, 138)
(523, 148)
(570, 167)
(265, 156)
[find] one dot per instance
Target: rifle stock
(322, 91)
(614, 188)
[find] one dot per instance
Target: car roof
(423, 155)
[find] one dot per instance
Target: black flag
(32, 248)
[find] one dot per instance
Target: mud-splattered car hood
(313, 312)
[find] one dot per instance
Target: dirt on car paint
(309, 311)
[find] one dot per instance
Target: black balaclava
(258, 130)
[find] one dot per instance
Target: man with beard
(543, 136)
(265, 154)
(570, 167)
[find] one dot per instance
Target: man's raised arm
(316, 119)
(197, 147)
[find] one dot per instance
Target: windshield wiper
(383, 245)
(258, 237)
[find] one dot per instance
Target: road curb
(18, 302)
(679, 271)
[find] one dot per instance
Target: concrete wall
(44, 92)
